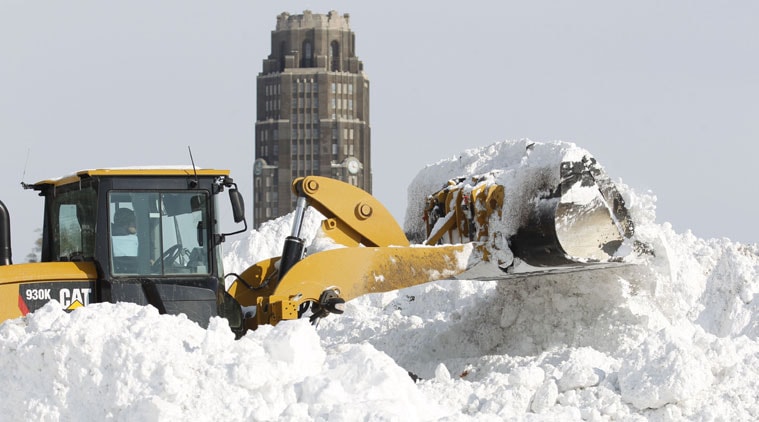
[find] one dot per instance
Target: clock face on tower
(353, 165)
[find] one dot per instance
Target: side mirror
(238, 206)
(238, 212)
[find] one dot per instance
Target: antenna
(23, 174)
(195, 172)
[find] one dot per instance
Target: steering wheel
(169, 256)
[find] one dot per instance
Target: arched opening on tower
(334, 50)
(308, 54)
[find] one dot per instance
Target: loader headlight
(248, 311)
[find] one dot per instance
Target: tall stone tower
(312, 111)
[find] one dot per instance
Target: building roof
(307, 19)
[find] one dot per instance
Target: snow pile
(125, 362)
(674, 337)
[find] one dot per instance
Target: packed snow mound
(674, 337)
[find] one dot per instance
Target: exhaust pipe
(5, 235)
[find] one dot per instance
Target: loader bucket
(583, 220)
(580, 220)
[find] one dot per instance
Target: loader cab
(152, 235)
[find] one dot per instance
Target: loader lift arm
(375, 257)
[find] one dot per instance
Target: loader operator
(124, 233)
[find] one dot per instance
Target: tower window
(334, 50)
(308, 54)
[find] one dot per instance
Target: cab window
(158, 233)
(73, 224)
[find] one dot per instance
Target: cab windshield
(158, 233)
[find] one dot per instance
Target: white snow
(674, 337)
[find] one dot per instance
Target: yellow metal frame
(13, 276)
(127, 171)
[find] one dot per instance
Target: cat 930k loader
(151, 236)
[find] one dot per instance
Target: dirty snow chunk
(442, 374)
(731, 287)
(579, 370)
(665, 369)
(577, 376)
(545, 397)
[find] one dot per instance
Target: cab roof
(157, 171)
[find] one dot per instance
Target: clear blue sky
(664, 94)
